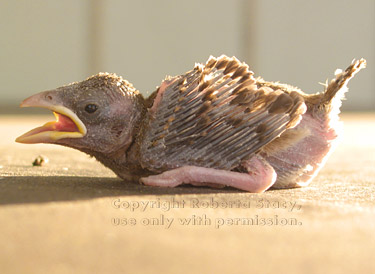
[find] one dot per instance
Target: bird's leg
(259, 178)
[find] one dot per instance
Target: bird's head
(96, 115)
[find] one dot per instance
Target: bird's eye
(91, 108)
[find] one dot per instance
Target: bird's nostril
(49, 97)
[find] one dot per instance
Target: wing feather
(215, 116)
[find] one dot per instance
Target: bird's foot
(260, 177)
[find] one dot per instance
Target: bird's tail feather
(338, 86)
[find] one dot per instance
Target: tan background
(58, 218)
(45, 44)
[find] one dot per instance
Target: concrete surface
(74, 216)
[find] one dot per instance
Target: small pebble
(40, 160)
(65, 168)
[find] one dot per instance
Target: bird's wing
(214, 116)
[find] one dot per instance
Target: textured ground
(73, 215)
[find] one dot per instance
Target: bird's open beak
(67, 124)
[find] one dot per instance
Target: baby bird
(216, 125)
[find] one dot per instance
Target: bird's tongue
(63, 127)
(64, 123)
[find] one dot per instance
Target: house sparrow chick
(216, 125)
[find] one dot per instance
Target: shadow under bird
(216, 125)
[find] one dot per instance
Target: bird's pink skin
(160, 94)
(261, 176)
